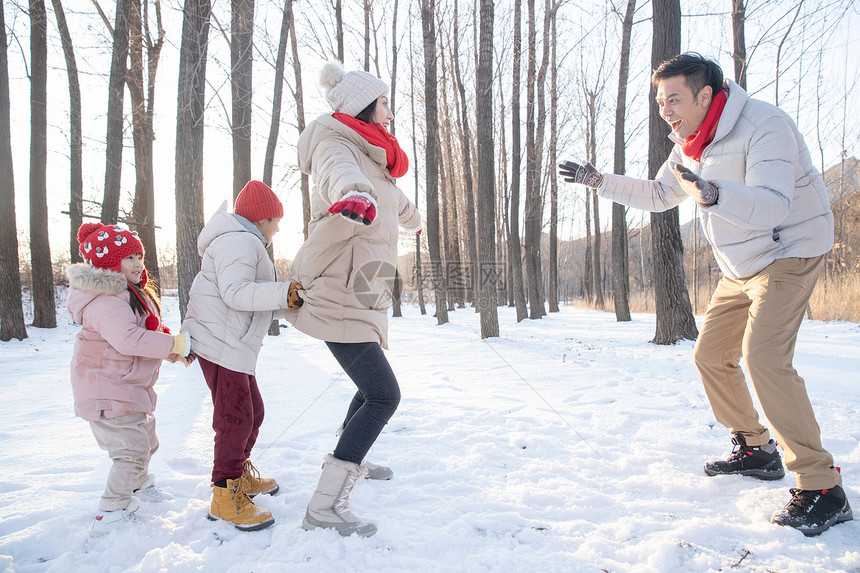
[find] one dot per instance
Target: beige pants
(130, 441)
(758, 318)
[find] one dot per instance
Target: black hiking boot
(813, 511)
(762, 462)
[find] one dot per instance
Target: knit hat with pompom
(350, 92)
(105, 246)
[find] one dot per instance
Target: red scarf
(376, 134)
(697, 141)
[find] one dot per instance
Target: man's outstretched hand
(702, 191)
(584, 174)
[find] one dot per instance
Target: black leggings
(373, 404)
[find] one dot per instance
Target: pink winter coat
(116, 359)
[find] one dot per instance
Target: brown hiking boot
(232, 504)
(253, 484)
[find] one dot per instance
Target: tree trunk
(552, 294)
(241, 76)
(466, 144)
(44, 305)
(488, 271)
(428, 9)
(620, 264)
(116, 96)
(515, 254)
(338, 17)
(368, 8)
(419, 279)
(11, 309)
(300, 121)
(739, 52)
(189, 142)
(396, 290)
(76, 177)
(589, 253)
(674, 313)
(278, 93)
(275, 123)
(531, 241)
(143, 114)
(596, 267)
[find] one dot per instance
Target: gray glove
(702, 191)
(583, 174)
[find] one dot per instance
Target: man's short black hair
(698, 72)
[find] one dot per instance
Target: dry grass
(834, 298)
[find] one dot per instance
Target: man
(766, 214)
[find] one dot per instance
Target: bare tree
(419, 279)
(515, 251)
(278, 93)
(143, 115)
(620, 265)
(275, 123)
(487, 266)
(428, 26)
(298, 94)
(739, 52)
(466, 146)
(11, 310)
(241, 83)
(532, 214)
(338, 17)
(674, 313)
(189, 141)
(396, 289)
(76, 177)
(116, 97)
(45, 309)
(552, 294)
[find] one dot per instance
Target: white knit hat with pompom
(350, 92)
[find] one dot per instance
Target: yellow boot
(232, 504)
(253, 484)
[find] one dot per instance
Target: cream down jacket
(234, 297)
(347, 269)
(116, 359)
(772, 202)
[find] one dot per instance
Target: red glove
(356, 208)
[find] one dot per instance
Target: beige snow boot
(253, 484)
(329, 506)
(232, 504)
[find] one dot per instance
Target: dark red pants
(236, 419)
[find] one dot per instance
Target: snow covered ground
(568, 444)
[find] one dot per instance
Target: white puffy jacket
(772, 201)
(233, 298)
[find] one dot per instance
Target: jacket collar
(90, 279)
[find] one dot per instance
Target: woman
(346, 267)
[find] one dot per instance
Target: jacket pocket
(133, 369)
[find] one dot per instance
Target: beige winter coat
(347, 269)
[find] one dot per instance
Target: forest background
(154, 112)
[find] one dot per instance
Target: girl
(115, 364)
(347, 268)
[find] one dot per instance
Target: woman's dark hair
(149, 292)
(698, 72)
(366, 115)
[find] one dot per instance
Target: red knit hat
(105, 246)
(257, 202)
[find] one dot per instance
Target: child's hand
(173, 357)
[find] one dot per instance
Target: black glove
(583, 174)
(702, 191)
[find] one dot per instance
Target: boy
(232, 302)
